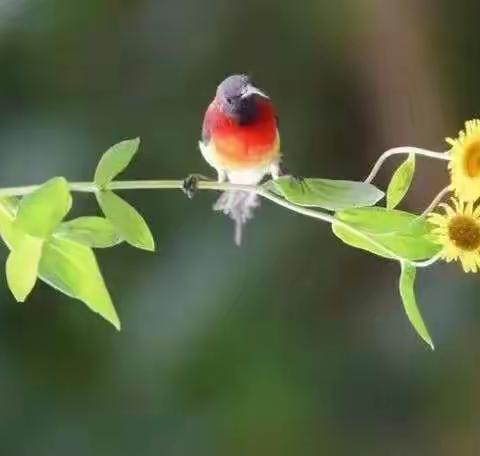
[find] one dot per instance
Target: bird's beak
(252, 90)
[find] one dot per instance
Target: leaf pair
(336, 195)
(125, 218)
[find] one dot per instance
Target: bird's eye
(229, 100)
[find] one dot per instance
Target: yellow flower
(465, 162)
(458, 232)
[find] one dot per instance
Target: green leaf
(22, 266)
(404, 234)
(400, 183)
(8, 211)
(10, 205)
(115, 160)
(72, 269)
(329, 194)
(126, 219)
(407, 292)
(40, 212)
(97, 232)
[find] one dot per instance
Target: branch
(90, 187)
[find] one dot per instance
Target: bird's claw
(299, 179)
(190, 184)
(285, 172)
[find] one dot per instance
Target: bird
(241, 141)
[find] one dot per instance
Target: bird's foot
(285, 172)
(298, 178)
(190, 184)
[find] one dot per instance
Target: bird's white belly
(250, 176)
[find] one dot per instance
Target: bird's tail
(239, 207)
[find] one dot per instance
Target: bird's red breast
(235, 145)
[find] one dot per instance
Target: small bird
(240, 139)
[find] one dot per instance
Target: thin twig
(90, 187)
(436, 200)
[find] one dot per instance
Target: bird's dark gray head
(238, 97)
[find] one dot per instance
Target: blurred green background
(294, 344)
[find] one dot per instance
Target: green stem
(441, 194)
(90, 187)
(331, 219)
(404, 150)
(157, 185)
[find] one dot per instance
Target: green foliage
(407, 292)
(328, 194)
(38, 214)
(73, 269)
(115, 160)
(41, 212)
(400, 182)
(22, 266)
(8, 212)
(404, 234)
(126, 219)
(96, 232)
(59, 252)
(66, 265)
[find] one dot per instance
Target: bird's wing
(207, 125)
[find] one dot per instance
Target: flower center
(472, 159)
(464, 232)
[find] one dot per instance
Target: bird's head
(238, 97)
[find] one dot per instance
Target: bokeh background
(294, 344)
